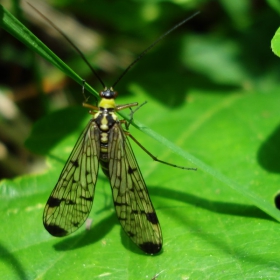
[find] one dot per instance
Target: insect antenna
(152, 45)
(129, 66)
(71, 43)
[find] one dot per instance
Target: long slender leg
(132, 112)
(155, 158)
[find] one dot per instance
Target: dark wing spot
(70, 202)
(75, 163)
(120, 204)
(131, 170)
(56, 230)
(152, 217)
(90, 198)
(53, 202)
(130, 234)
(150, 248)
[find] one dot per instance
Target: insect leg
(83, 92)
(132, 112)
(125, 106)
(155, 158)
(91, 107)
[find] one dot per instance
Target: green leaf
(275, 43)
(275, 5)
(211, 55)
(208, 229)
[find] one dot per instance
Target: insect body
(104, 141)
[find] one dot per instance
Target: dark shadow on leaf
(249, 211)
(87, 237)
(221, 242)
(161, 76)
(96, 233)
(100, 230)
(12, 262)
(48, 131)
(269, 153)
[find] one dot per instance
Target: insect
(105, 142)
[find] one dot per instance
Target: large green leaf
(209, 230)
(211, 222)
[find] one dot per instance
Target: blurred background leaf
(275, 43)
(212, 88)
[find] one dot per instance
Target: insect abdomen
(105, 120)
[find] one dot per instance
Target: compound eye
(108, 93)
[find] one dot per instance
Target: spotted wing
(133, 205)
(71, 200)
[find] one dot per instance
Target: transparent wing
(133, 205)
(71, 200)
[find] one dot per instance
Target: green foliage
(275, 43)
(217, 222)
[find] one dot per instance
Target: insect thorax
(105, 119)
